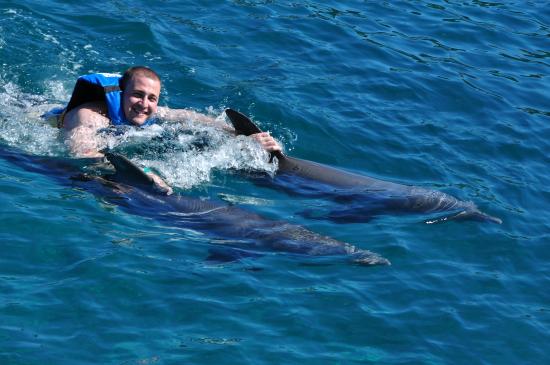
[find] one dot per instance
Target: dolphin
(248, 234)
(364, 197)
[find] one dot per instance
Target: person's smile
(140, 99)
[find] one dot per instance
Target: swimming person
(100, 100)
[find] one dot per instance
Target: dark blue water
(447, 95)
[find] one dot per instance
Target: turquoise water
(448, 95)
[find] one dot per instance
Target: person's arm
(179, 114)
(81, 125)
(267, 142)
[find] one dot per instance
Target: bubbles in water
(186, 154)
(21, 125)
(56, 90)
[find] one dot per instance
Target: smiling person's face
(140, 99)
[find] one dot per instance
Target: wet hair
(137, 70)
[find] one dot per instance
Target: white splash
(20, 122)
(187, 166)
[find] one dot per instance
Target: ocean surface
(447, 95)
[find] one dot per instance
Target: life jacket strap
(110, 89)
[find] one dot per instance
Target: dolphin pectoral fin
(472, 214)
(489, 218)
(229, 254)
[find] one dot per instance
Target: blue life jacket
(102, 87)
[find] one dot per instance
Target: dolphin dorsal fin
(127, 171)
(242, 124)
(245, 126)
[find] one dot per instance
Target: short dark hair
(137, 70)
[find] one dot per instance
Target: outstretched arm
(179, 114)
(267, 142)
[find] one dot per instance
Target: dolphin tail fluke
(365, 257)
(471, 214)
(478, 215)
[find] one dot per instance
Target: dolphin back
(391, 197)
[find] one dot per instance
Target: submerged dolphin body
(363, 196)
(247, 234)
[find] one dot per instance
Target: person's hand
(160, 185)
(268, 143)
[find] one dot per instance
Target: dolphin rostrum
(363, 196)
(244, 233)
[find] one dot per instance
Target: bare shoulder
(92, 115)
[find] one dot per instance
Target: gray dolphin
(131, 189)
(363, 196)
(230, 221)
